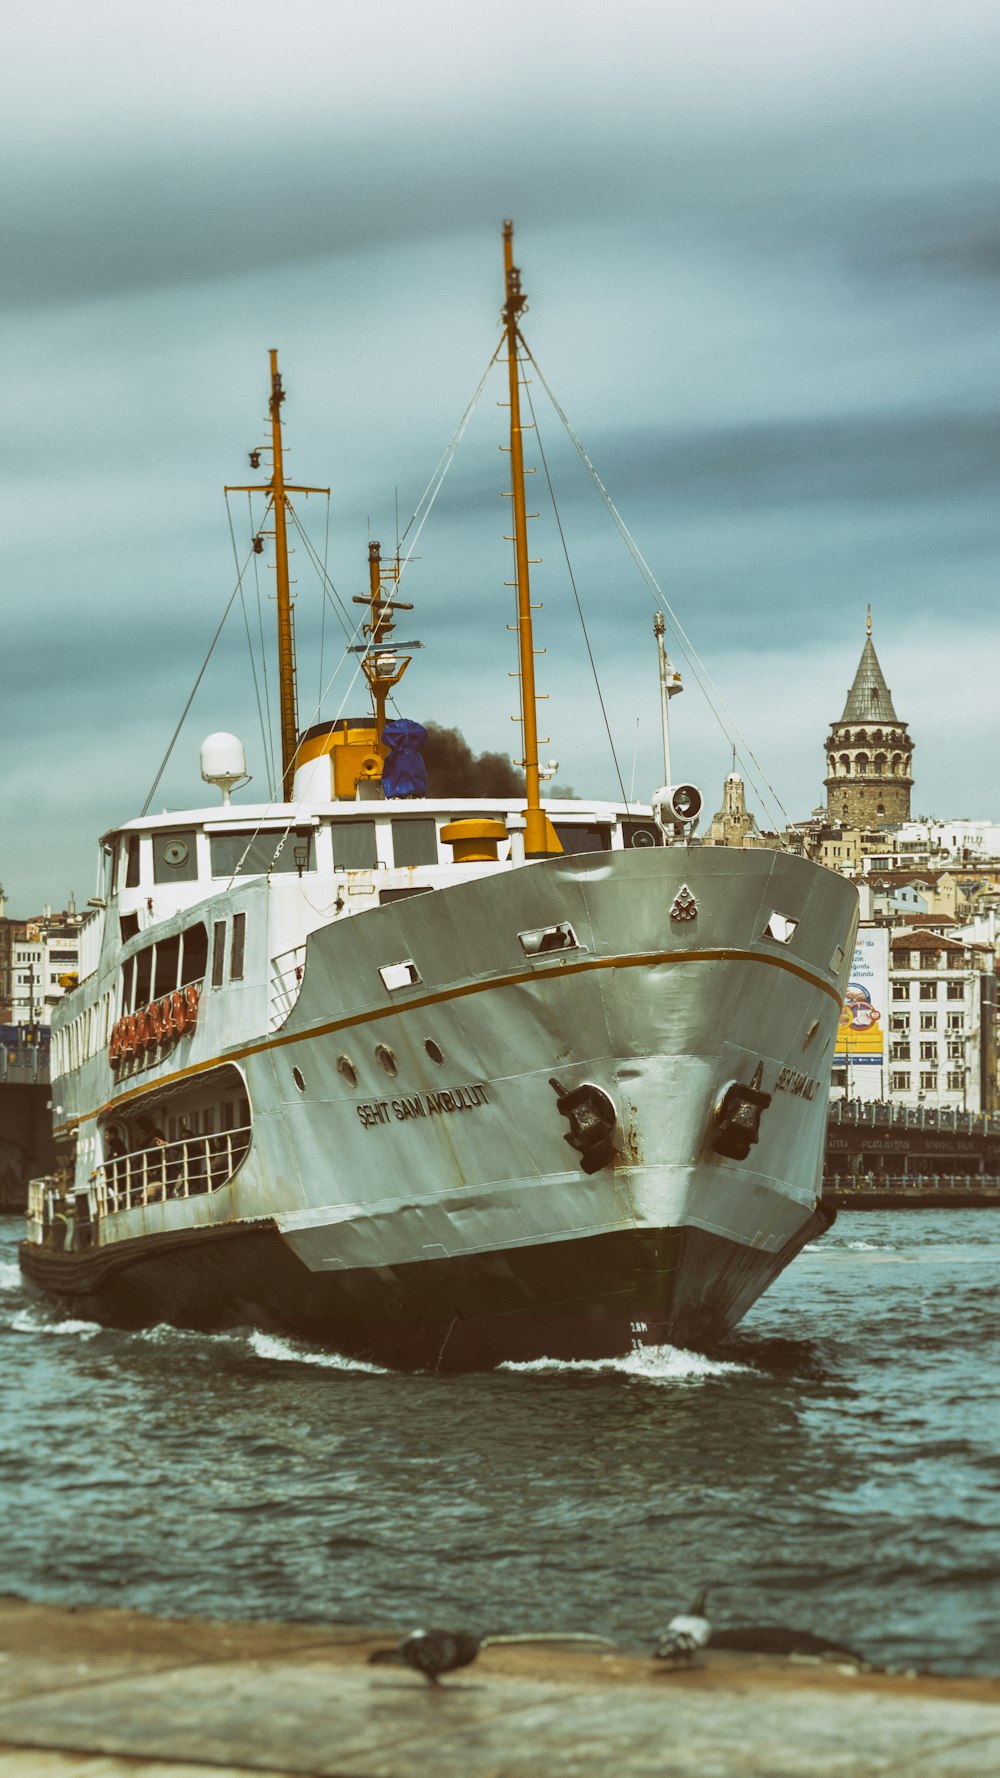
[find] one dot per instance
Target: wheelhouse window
(413, 842)
(354, 845)
(639, 834)
(143, 976)
(253, 854)
(132, 861)
(578, 837)
(218, 952)
(168, 957)
(175, 856)
(239, 947)
(194, 953)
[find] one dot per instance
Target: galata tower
(868, 753)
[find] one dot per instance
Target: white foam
(287, 1351)
(659, 1364)
(35, 1322)
(10, 1275)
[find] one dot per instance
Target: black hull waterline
(614, 1292)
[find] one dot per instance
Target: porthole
(436, 1055)
(385, 1058)
(297, 1077)
(346, 1067)
(175, 852)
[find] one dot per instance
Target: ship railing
(289, 968)
(188, 1168)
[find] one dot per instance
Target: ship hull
(615, 1292)
(429, 1207)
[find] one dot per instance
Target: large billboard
(864, 1016)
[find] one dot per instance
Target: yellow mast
(279, 489)
(537, 841)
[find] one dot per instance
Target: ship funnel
(223, 762)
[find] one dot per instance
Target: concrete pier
(114, 1694)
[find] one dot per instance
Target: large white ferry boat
(438, 1082)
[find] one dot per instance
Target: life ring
(191, 1001)
(179, 1011)
(141, 1028)
(128, 1035)
(155, 1022)
(166, 1018)
(115, 1046)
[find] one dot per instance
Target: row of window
(903, 1052)
(929, 1021)
(83, 1036)
(923, 960)
(357, 845)
(956, 1079)
(928, 990)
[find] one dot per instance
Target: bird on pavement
(430, 1652)
(684, 1635)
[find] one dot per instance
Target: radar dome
(223, 762)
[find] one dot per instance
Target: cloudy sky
(761, 250)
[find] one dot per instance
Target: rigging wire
(441, 469)
(329, 589)
(201, 674)
(715, 699)
(572, 582)
(246, 625)
(353, 631)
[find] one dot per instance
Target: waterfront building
(42, 963)
(942, 1021)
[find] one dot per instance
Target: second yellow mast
(537, 837)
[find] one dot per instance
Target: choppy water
(836, 1468)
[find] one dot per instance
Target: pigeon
(684, 1635)
(430, 1652)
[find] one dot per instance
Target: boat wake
(657, 1364)
(10, 1276)
(288, 1351)
(36, 1321)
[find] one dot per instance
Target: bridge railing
(914, 1182)
(860, 1114)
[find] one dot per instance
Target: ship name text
(801, 1086)
(373, 1112)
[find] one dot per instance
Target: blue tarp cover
(404, 772)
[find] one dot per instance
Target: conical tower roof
(869, 699)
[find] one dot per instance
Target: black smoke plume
(454, 770)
